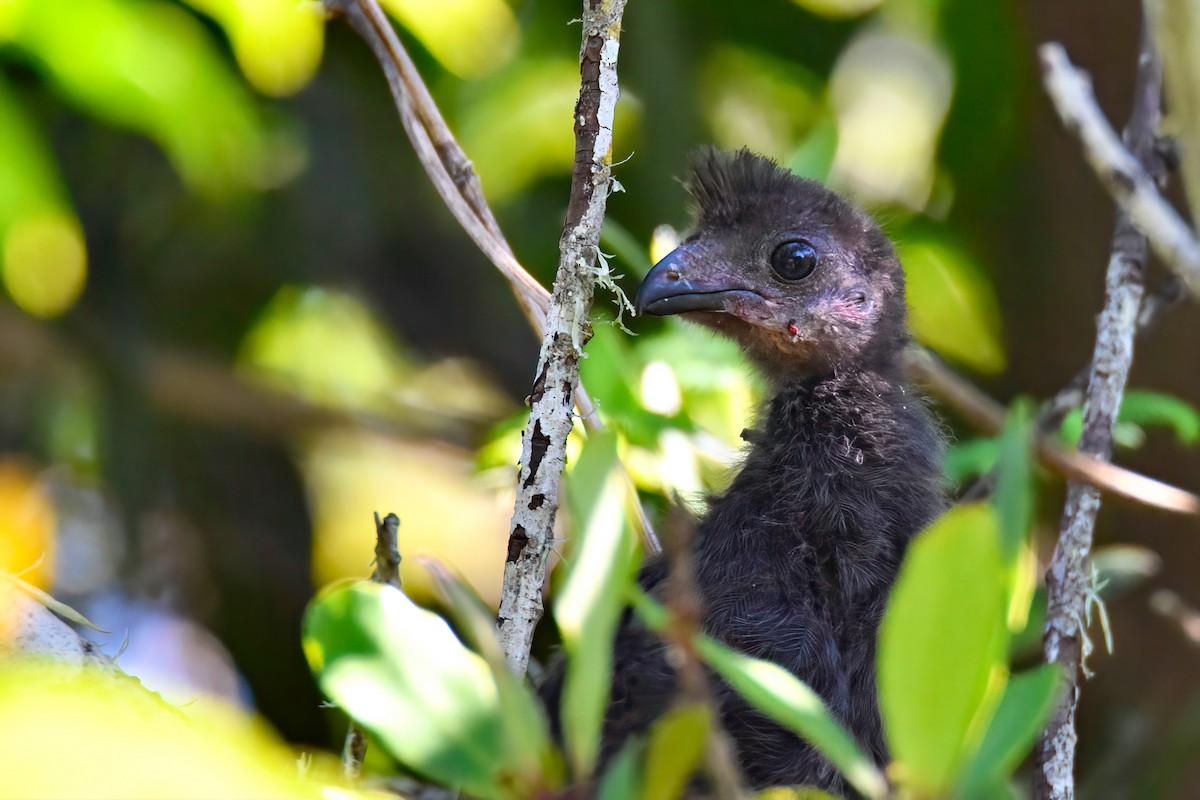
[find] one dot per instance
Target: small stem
(387, 570)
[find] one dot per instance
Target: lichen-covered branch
(1125, 178)
(543, 449)
(1069, 580)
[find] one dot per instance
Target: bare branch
(387, 570)
(455, 180)
(543, 449)
(1069, 580)
(684, 600)
(988, 415)
(1121, 173)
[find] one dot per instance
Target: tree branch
(1069, 580)
(456, 182)
(543, 453)
(1123, 176)
(387, 570)
(988, 415)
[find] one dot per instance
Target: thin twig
(1069, 580)
(684, 600)
(387, 570)
(1119, 171)
(455, 180)
(543, 448)
(988, 415)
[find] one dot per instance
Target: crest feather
(724, 185)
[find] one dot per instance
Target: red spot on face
(792, 329)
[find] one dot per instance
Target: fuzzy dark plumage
(796, 558)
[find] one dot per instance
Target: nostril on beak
(673, 275)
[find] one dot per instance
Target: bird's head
(802, 279)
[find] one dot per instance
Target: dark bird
(795, 560)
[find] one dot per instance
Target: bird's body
(795, 560)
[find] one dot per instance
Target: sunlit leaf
(471, 38)
(674, 751)
(793, 793)
(603, 562)
(529, 753)
(43, 261)
(942, 647)
(890, 93)
(27, 524)
(121, 741)
(326, 346)
(1024, 707)
(954, 308)
(348, 473)
(400, 672)
(516, 125)
(756, 100)
(277, 42)
(838, 9)
(152, 67)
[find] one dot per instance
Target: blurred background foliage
(237, 320)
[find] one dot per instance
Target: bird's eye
(794, 261)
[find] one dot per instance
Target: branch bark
(455, 180)
(543, 450)
(387, 570)
(1069, 580)
(987, 414)
(1124, 176)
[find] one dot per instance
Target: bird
(794, 561)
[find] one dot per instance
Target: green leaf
(793, 793)
(401, 673)
(153, 68)
(942, 646)
(1013, 498)
(674, 751)
(786, 699)
(1152, 408)
(529, 755)
(1024, 707)
(1125, 434)
(1014, 504)
(623, 777)
(954, 308)
(603, 563)
(779, 695)
(970, 459)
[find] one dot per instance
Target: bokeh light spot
(45, 263)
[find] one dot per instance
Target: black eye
(794, 261)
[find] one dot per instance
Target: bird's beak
(683, 282)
